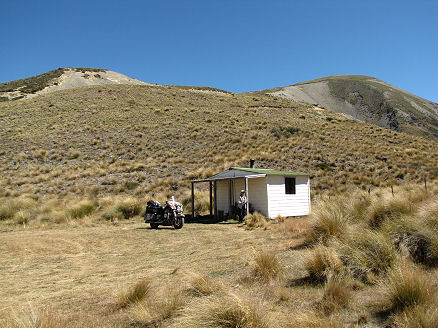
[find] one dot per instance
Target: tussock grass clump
(11, 207)
(377, 213)
(322, 263)
(23, 217)
(330, 220)
(406, 286)
(429, 214)
(34, 319)
(381, 210)
(129, 207)
(151, 312)
(359, 206)
(82, 208)
(418, 317)
(203, 285)
(367, 254)
(267, 266)
(135, 294)
(255, 220)
(336, 295)
(315, 320)
(226, 312)
(413, 236)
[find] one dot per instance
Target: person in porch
(241, 204)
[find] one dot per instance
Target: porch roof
(240, 172)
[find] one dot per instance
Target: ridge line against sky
(233, 45)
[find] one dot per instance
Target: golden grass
(267, 266)
(203, 285)
(322, 263)
(336, 295)
(226, 311)
(256, 220)
(135, 294)
(407, 287)
(109, 147)
(194, 275)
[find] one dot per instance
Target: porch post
(229, 199)
(215, 199)
(193, 200)
(211, 198)
(247, 198)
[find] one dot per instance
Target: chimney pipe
(251, 163)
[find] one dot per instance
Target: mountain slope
(143, 140)
(62, 79)
(369, 100)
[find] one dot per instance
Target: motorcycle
(168, 215)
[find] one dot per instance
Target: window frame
(290, 188)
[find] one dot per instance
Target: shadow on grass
(303, 281)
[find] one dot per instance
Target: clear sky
(229, 44)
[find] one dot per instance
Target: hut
(269, 192)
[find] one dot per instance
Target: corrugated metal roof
(268, 171)
(232, 173)
(241, 172)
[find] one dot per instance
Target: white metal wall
(222, 195)
(257, 195)
(288, 205)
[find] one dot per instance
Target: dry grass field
(358, 261)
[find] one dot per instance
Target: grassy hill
(149, 140)
(368, 99)
(76, 164)
(60, 79)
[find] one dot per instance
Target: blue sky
(233, 45)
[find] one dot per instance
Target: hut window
(290, 186)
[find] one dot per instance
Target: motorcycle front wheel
(178, 223)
